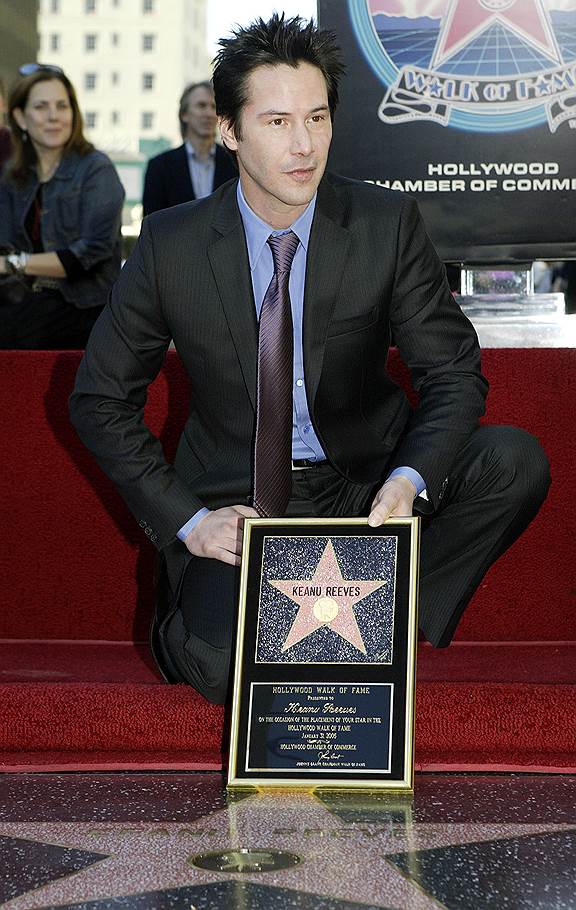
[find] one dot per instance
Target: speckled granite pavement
(134, 840)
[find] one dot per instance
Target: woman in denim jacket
(60, 218)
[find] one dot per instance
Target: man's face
(286, 133)
(200, 115)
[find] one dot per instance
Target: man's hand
(219, 534)
(396, 497)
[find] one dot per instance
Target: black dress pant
(45, 320)
(495, 488)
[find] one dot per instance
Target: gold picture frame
(325, 663)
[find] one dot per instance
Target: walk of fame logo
(327, 600)
(480, 65)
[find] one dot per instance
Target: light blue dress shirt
(305, 443)
(201, 172)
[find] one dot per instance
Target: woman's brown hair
(23, 154)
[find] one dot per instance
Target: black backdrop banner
(470, 106)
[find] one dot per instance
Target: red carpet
(64, 719)
(76, 692)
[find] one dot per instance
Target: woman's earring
(24, 135)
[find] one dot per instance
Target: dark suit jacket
(372, 273)
(167, 181)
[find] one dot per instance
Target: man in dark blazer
(364, 273)
(195, 168)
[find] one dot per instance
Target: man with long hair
(282, 292)
(195, 168)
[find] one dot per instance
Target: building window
(115, 78)
(115, 2)
(54, 42)
(54, 6)
(147, 81)
(115, 39)
(148, 42)
(90, 118)
(147, 120)
(90, 81)
(115, 118)
(90, 42)
(89, 6)
(147, 6)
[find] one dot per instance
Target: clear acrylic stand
(494, 293)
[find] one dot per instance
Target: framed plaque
(325, 655)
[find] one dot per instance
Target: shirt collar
(65, 169)
(192, 151)
(257, 231)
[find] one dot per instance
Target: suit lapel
(327, 255)
(183, 179)
(228, 258)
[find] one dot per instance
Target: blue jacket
(81, 212)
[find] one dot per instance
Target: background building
(18, 37)
(129, 61)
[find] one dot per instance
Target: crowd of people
(61, 205)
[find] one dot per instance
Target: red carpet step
(130, 719)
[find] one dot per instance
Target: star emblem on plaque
(326, 600)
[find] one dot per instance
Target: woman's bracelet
(16, 262)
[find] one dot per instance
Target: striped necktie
(273, 445)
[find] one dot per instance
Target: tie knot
(283, 248)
